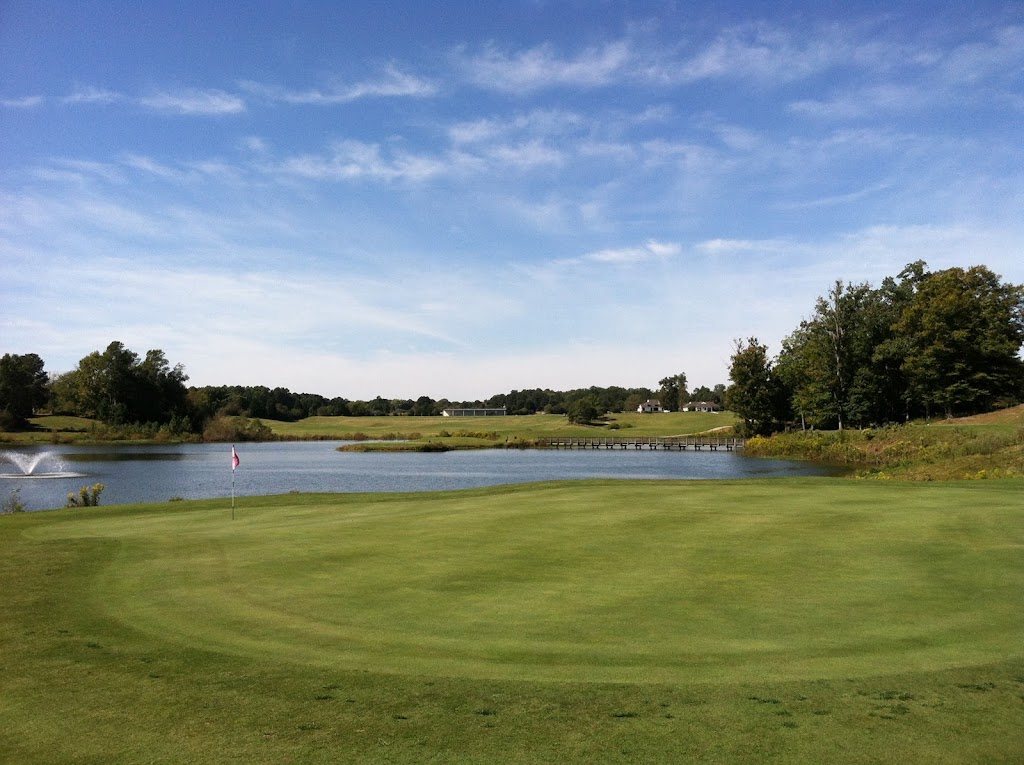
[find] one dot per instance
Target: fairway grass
(796, 620)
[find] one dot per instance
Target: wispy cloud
(650, 250)
(392, 83)
(194, 102)
(551, 272)
(354, 160)
(743, 246)
(527, 156)
(928, 78)
(758, 52)
(25, 102)
(835, 199)
(93, 95)
(1001, 57)
(542, 67)
(539, 123)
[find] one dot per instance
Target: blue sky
(458, 199)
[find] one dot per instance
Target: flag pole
(234, 464)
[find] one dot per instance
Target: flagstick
(232, 482)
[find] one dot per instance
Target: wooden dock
(678, 443)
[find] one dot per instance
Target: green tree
(117, 387)
(23, 387)
(822, 358)
(962, 333)
(159, 392)
(756, 394)
(718, 394)
(843, 366)
(672, 392)
(424, 407)
(583, 411)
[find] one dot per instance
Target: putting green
(595, 581)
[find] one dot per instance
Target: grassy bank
(53, 429)
(981, 447)
(786, 621)
(491, 432)
(416, 432)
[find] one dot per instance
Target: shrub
(87, 497)
(13, 503)
(488, 435)
(8, 422)
(240, 428)
(433, 446)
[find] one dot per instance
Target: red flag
(234, 458)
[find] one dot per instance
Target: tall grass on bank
(918, 451)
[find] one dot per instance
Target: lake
(197, 471)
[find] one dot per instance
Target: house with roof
(651, 405)
(702, 406)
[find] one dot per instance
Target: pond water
(197, 471)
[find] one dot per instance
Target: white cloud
(255, 144)
(354, 160)
(540, 123)
(552, 273)
(865, 102)
(649, 250)
(93, 95)
(542, 67)
(528, 155)
(393, 83)
(81, 170)
(609, 150)
(152, 167)
(761, 53)
(26, 102)
(735, 246)
(836, 199)
(663, 249)
(1001, 57)
(194, 102)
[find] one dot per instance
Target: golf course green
(784, 620)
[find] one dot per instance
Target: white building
(702, 406)
(651, 405)
(482, 412)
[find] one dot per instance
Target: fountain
(28, 462)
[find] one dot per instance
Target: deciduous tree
(23, 387)
(755, 395)
(673, 392)
(963, 332)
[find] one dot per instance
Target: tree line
(923, 344)
(119, 387)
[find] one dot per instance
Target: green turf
(805, 620)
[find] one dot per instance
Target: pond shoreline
(139, 473)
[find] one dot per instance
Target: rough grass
(983, 447)
(52, 429)
(789, 621)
